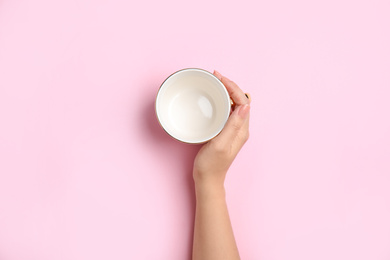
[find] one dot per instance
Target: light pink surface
(87, 173)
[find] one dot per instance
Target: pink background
(87, 173)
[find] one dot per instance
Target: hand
(215, 157)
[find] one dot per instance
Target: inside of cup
(192, 106)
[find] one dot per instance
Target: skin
(213, 233)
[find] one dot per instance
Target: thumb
(236, 126)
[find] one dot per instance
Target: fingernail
(244, 111)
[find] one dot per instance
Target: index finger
(233, 89)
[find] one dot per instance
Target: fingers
(236, 130)
(238, 96)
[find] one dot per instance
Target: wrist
(209, 179)
(209, 190)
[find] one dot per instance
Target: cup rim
(159, 91)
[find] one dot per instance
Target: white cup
(192, 105)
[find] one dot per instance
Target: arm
(213, 233)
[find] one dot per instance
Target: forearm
(213, 233)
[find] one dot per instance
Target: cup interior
(192, 105)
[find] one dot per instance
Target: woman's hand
(215, 157)
(213, 233)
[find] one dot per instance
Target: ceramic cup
(192, 105)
